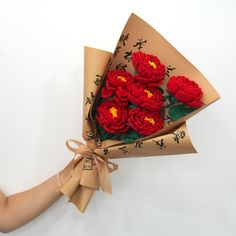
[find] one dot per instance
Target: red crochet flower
(145, 122)
(149, 98)
(149, 68)
(121, 96)
(117, 79)
(112, 117)
(185, 90)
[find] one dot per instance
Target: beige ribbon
(89, 172)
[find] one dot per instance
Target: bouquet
(132, 106)
(136, 102)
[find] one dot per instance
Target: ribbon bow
(89, 172)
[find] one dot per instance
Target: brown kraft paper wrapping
(92, 167)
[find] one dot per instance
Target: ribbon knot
(89, 172)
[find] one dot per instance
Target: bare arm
(20, 208)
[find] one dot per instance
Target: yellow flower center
(152, 63)
(150, 120)
(149, 94)
(122, 78)
(113, 111)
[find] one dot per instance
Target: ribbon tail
(104, 176)
(111, 166)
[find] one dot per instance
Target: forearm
(20, 208)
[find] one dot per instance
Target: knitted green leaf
(132, 105)
(178, 111)
(126, 137)
(104, 135)
(130, 136)
(172, 99)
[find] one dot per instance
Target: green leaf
(132, 105)
(126, 137)
(178, 111)
(104, 135)
(130, 136)
(172, 99)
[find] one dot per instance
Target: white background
(41, 81)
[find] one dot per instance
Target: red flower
(121, 96)
(112, 117)
(149, 98)
(185, 90)
(145, 122)
(114, 80)
(149, 68)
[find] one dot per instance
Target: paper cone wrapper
(171, 140)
